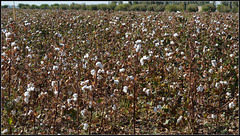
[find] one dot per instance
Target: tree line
(190, 6)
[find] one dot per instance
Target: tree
(4, 6)
(223, 8)
(192, 8)
(123, 7)
(55, 6)
(209, 7)
(21, 5)
(34, 7)
(151, 7)
(64, 6)
(135, 2)
(120, 2)
(44, 6)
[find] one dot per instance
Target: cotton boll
(53, 83)
(86, 56)
(125, 89)
(83, 112)
(129, 77)
(116, 81)
(213, 116)
(228, 94)
(159, 107)
(214, 63)
(55, 67)
(93, 72)
(155, 109)
(56, 92)
(114, 107)
(85, 126)
(99, 64)
(217, 85)
(171, 42)
(210, 71)
(179, 119)
(175, 35)
(231, 105)
(75, 95)
(4, 131)
(26, 99)
(200, 88)
(121, 70)
(138, 48)
(8, 34)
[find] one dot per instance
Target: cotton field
(119, 72)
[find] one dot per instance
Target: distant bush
(44, 6)
(151, 7)
(34, 7)
(4, 6)
(160, 8)
(192, 8)
(173, 8)
(92, 7)
(55, 6)
(112, 6)
(235, 10)
(209, 7)
(223, 8)
(123, 7)
(139, 7)
(103, 7)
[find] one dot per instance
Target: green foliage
(64, 6)
(223, 8)
(92, 7)
(151, 7)
(74, 6)
(209, 7)
(4, 6)
(55, 6)
(34, 7)
(23, 6)
(104, 7)
(174, 8)
(192, 8)
(123, 7)
(235, 10)
(44, 6)
(160, 8)
(139, 7)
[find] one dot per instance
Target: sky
(59, 2)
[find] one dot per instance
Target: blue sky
(59, 2)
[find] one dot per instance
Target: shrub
(103, 7)
(92, 7)
(4, 6)
(223, 8)
(173, 8)
(160, 8)
(235, 10)
(209, 7)
(112, 6)
(192, 8)
(123, 7)
(44, 6)
(151, 7)
(55, 6)
(139, 7)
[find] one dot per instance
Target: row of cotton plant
(97, 72)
